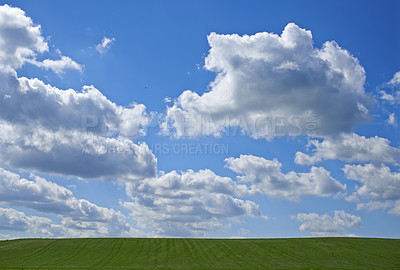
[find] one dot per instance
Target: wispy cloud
(105, 45)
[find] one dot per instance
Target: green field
(153, 253)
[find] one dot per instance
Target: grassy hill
(137, 253)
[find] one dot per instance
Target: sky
(225, 119)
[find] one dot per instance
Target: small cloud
(167, 100)
(391, 121)
(266, 218)
(387, 97)
(58, 66)
(105, 45)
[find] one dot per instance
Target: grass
(158, 253)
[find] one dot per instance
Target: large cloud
(74, 153)
(43, 128)
(31, 102)
(328, 225)
(270, 85)
(21, 41)
(187, 203)
(266, 176)
(378, 183)
(351, 148)
(47, 197)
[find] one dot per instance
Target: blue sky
(199, 119)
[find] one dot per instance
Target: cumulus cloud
(73, 153)
(20, 39)
(13, 220)
(30, 101)
(266, 177)
(271, 85)
(58, 66)
(328, 225)
(68, 132)
(377, 183)
(105, 44)
(372, 205)
(47, 129)
(187, 203)
(17, 221)
(351, 148)
(48, 197)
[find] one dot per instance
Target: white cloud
(20, 39)
(105, 44)
(46, 129)
(30, 101)
(378, 183)
(392, 121)
(396, 209)
(48, 197)
(391, 98)
(17, 221)
(187, 203)
(327, 225)
(396, 79)
(271, 85)
(351, 148)
(13, 220)
(58, 66)
(70, 152)
(393, 85)
(266, 177)
(374, 205)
